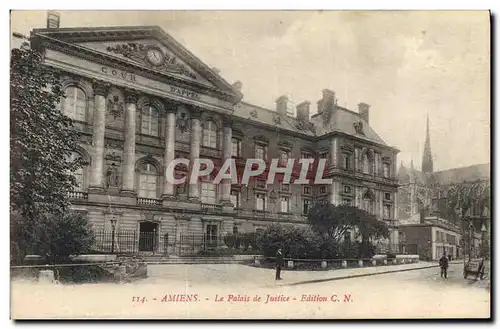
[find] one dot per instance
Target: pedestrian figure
(443, 263)
(279, 264)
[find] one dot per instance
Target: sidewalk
(341, 274)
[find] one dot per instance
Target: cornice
(108, 60)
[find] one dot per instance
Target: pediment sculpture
(152, 56)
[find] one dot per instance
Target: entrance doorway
(148, 239)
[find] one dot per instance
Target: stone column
(101, 90)
(334, 152)
(168, 188)
(381, 204)
(356, 159)
(335, 197)
(194, 189)
(129, 144)
(395, 208)
(226, 155)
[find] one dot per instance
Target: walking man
(443, 263)
(279, 263)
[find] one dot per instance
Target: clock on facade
(155, 56)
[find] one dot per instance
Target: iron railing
(183, 244)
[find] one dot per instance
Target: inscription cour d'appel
(132, 78)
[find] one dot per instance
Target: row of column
(101, 91)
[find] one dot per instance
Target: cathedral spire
(427, 165)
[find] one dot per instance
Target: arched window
(368, 202)
(75, 103)
(148, 178)
(78, 173)
(149, 121)
(210, 134)
(366, 164)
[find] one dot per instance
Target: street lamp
(113, 227)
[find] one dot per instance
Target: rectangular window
(386, 170)
(79, 179)
(322, 189)
(260, 202)
(208, 193)
(261, 152)
(235, 230)
(285, 187)
(306, 206)
(346, 163)
(147, 186)
(387, 211)
(235, 198)
(235, 148)
(307, 190)
(284, 204)
(387, 196)
(284, 156)
(347, 202)
(347, 189)
(149, 124)
(210, 134)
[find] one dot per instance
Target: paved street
(417, 293)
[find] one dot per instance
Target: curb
(359, 275)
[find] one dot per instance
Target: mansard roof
(343, 121)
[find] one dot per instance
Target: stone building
(445, 197)
(140, 100)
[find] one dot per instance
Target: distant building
(449, 196)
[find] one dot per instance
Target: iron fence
(130, 242)
(183, 244)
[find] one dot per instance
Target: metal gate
(190, 244)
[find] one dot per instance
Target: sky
(405, 64)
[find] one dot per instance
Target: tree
(41, 142)
(334, 221)
(60, 237)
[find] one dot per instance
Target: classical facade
(445, 197)
(140, 100)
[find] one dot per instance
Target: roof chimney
(238, 85)
(303, 111)
(281, 105)
(364, 111)
(327, 100)
(53, 20)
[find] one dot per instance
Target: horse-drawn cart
(475, 268)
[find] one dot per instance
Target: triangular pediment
(148, 48)
(149, 53)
